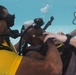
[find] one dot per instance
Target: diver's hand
(57, 37)
(61, 33)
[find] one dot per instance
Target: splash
(45, 9)
(29, 22)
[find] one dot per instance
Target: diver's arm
(73, 33)
(61, 38)
(53, 57)
(51, 65)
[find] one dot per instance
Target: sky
(24, 10)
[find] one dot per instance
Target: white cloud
(45, 9)
(28, 23)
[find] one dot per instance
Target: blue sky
(61, 10)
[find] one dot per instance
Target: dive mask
(9, 19)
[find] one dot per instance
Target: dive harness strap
(38, 48)
(2, 47)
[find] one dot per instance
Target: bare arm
(51, 65)
(61, 38)
(73, 33)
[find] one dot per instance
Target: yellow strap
(59, 46)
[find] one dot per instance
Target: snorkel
(74, 18)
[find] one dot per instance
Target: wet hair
(1, 10)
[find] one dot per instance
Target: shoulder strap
(2, 47)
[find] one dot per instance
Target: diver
(13, 64)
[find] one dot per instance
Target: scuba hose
(48, 23)
(20, 48)
(13, 34)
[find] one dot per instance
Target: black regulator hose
(13, 34)
(48, 23)
(19, 49)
